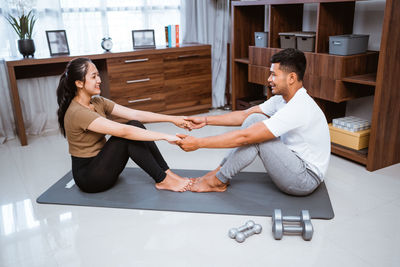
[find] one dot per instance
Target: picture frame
(143, 39)
(58, 43)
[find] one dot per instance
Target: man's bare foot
(208, 183)
(174, 182)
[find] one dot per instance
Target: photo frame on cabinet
(58, 43)
(143, 39)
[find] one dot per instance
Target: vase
(26, 47)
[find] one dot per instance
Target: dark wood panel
(333, 19)
(258, 74)
(277, 2)
(246, 20)
(331, 110)
(349, 153)
(284, 18)
(150, 102)
(120, 87)
(191, 91)
(366, 79)
(384, 145)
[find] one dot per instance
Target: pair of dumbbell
(241, 233)
(304, 226)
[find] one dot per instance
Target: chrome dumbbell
(234, 231)
(305, 226)
(241, 236)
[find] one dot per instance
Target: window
(87, 22)
(116, 19)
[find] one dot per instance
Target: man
(288, 132)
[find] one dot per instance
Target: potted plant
(23, 26)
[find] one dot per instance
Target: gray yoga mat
(250, 193)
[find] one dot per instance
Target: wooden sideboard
(166, 80)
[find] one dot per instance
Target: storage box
(354, 140)
(261, 39)
(288, 39)
(348, 44)
(305, 41)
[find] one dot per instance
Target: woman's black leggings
(101, 172)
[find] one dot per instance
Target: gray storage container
(288, 39)
(261, 39)
(348, 44)
(305, 41)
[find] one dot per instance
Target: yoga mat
(249, 193)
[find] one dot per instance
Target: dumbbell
(241, 236)
(304, 216)
(234, 231)
(305, 228)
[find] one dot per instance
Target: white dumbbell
(241, 236)
(234, 231)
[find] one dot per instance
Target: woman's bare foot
(174, 182)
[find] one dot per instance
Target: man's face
(277, 80)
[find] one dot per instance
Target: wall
(368, 19)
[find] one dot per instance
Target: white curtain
(207, 21)
(7, 128)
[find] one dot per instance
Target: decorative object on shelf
(143, 39)
(172, 35)
(348, 44)
(261, 39)
(107, 44)
(23, 26)
(57, 41)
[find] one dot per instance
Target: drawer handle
(187, 56)
(138, 81)
(136, 60)
(139, 100)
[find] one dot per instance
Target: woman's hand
(196, 122)
(181, 121)
(172, 139)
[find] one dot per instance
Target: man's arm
(234, 118)
(257, 133)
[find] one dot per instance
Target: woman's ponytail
(75, 71)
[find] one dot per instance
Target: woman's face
(92, 81)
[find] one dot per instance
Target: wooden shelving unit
(365, 79)
(331, 80)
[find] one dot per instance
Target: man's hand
(196, 122)
(188, 143)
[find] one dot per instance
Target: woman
(97, 163)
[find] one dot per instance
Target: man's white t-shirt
(302, 127)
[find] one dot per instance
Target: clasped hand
(187, 142)
(190, 123)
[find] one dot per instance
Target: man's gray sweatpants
(287, 171)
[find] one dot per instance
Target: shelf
(242, 60)
(366, 79)
(359, 156)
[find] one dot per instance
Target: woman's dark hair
(75, 71)
(291, 60)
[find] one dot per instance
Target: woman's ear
(79, 84)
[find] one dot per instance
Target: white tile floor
(363, 233)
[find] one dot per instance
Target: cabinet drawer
(134, 66)
(150, 102)
(182, 65)
(258, 74)
(137, 86)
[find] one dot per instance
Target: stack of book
(172, 35)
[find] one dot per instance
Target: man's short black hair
(291, 60)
